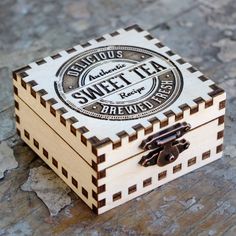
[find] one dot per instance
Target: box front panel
(128, 179)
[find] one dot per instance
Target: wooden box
(119, 116)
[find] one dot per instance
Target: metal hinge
(166, 148)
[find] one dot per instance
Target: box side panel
(54, 118)
(57, 154)
(128, 179)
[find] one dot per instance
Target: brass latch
(166, 148)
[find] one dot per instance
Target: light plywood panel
(92, 105)
(57, 149)
(43, 80)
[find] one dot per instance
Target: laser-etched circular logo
(119, 82)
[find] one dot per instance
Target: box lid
(116, 90)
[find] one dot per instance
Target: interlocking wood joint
(95, 103)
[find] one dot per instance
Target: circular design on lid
(119, 82)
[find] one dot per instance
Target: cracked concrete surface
(227, 49)
(200, 203)
(7, 159)
(49, 188)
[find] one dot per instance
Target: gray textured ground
(202, 31)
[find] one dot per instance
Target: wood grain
(200, 203)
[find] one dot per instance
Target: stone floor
(200, 203)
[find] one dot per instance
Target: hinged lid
(115, 91)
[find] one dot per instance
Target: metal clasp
(166, 148)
